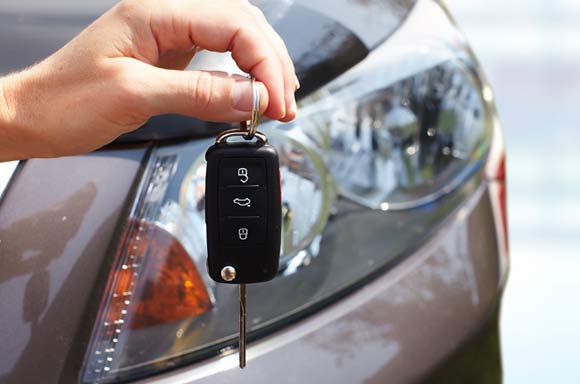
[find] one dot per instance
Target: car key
(243, 210)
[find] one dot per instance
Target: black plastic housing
(255, 252)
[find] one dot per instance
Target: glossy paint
(56, 222)
(400, 326)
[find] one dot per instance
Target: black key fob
(242, 209)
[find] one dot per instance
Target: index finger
(220, 27)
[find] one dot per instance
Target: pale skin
(128, 65)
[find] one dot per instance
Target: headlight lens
(402, 145)
(364, 144)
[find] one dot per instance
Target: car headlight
(396, 133)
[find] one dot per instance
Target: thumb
(211, 96)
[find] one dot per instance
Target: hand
(128, 66)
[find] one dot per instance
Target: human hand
(128, 66)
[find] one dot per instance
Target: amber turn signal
(170, 287)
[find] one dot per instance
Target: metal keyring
(237, 132)
(255, 111)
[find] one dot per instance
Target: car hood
(324, 39)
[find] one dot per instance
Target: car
(394, 248)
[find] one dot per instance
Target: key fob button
(243, 230)
(242, 172)
(242, 201)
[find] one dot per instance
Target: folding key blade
(242, 334)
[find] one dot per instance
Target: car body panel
(400, 326)
(56, 223)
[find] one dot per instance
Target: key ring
(238, 132)
(255, 111)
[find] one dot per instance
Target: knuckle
(262, 61)
(132, 6)
(132, 12)
(253, 13)
(122, 83)
(256, 12)
(126, 86)
(202, 85)
(126, 7)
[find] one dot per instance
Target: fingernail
(297, 83)
(242, 96)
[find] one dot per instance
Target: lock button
(243, 230)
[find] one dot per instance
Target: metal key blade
(242, 333)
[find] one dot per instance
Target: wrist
(13, 134)
(6, 121)
(6, 115)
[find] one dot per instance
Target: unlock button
(243, 230)
(242, 172)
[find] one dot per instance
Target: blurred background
(530, 50)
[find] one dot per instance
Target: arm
(128, 66)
